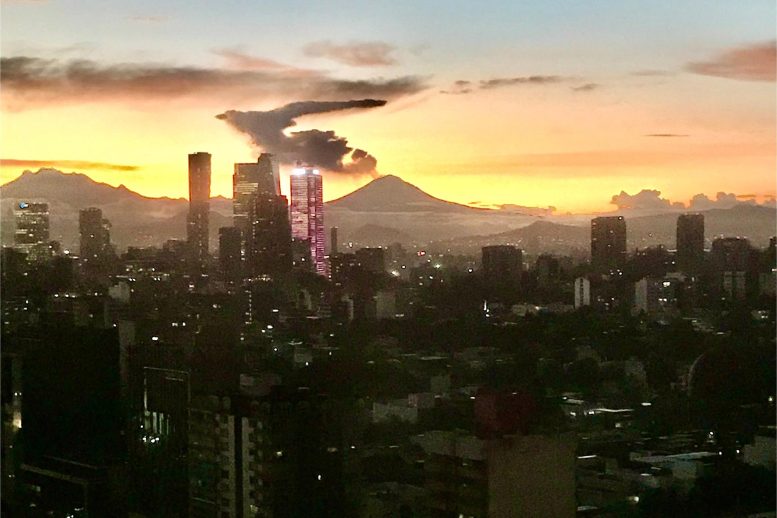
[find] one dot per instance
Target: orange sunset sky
(538, 104)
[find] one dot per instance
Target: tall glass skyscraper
(251, 179)
(307, 213)
(197, 235)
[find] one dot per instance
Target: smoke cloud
(323, 149)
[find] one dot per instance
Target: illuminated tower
(199, 205)
(260, 177)
(307, 213)
(32, 226)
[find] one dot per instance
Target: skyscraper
(94, 233)
(230, 253)
(199, 205)
(32, 227)
(690, 242)
(268, 239)
(307, 213)
(250, 179)
(608, 242)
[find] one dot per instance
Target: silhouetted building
(500, 262)
(197, 235)
(250, 179)
(95, 235)
(548, 269)
(371, 259)
(32, 228)
(608, 242)
(333, 241)
(230, 253)
(268, 242)
(307, 213)
(732, 262)
(690, 242)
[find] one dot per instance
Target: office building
(608, 243)
(690, 242)
(197, 232)
(307, 213)
(582, 292)
(333, 241)
(230, 253)
(95, 235)
(268, 238)
(250, 179)
(32, 227)
(500, 262)
(371, 259)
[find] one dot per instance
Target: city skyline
(609, 99)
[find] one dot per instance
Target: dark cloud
(355, 53)
(464, 87)
(66, 164)
(318, 148)
(586, 87)
(665, 135)
(644, 199)
(723, 200)
(751, 63)
(29, 82)
(524, 80)
(649, 199)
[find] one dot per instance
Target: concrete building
(582, 292)
(503, 477)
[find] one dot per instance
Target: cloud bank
(756, 62)
(66, 164)
(30, 82)
(355, 54)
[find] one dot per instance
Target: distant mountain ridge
(386, 210)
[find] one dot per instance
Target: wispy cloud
(148, 18)
(521, 80)
(586, 87)
(355, 53)
(665, 135)
(30, 82)
(459, 87)
(652, 73)
(66, 164)
(236, 59)
(751, 63)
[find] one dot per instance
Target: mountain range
(386, 210)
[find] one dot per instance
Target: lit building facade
(307, 213)
(32, 227)
(197, 231)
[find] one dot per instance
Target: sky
(543, 103)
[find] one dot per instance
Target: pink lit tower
(307, 213)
